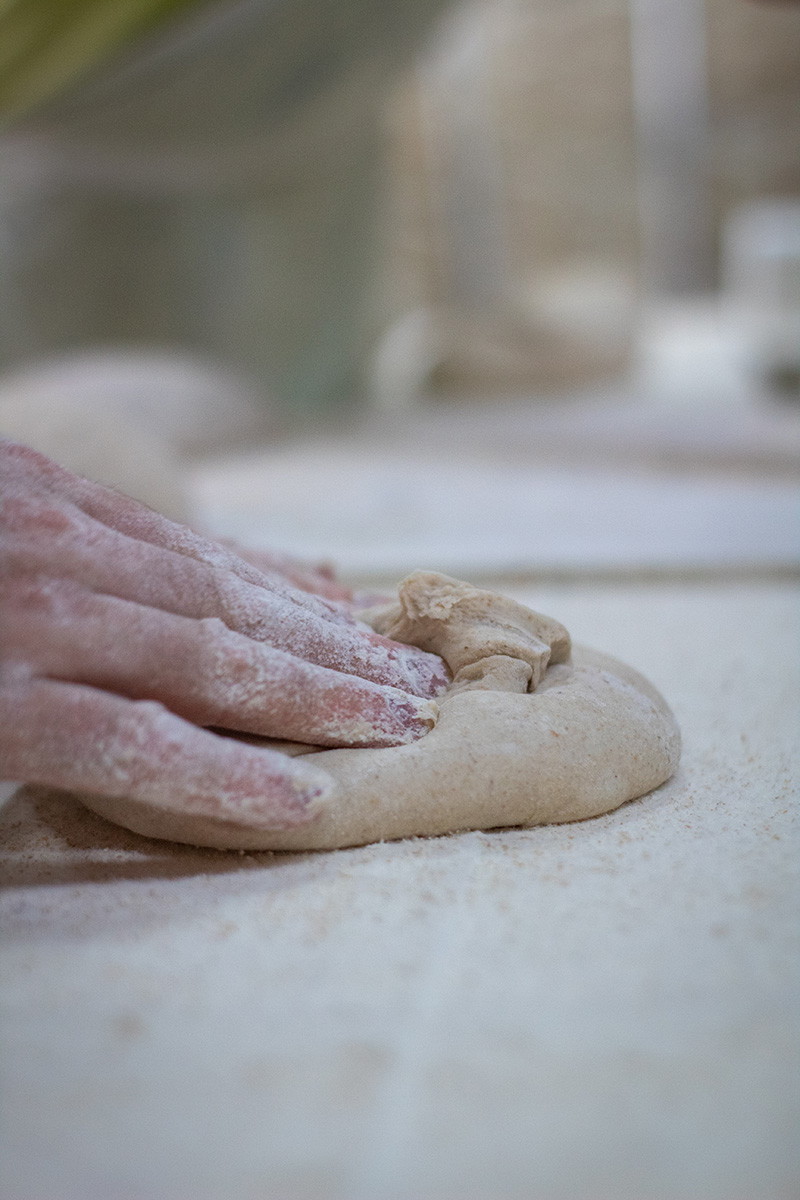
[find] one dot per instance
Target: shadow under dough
(49, 837)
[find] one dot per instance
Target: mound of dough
(530, 732)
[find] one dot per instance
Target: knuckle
(17, 454)
(36, 614)
(41, 595)
(213, 629)
(33, 530)
(31, 516)
(23, 461)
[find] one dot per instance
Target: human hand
(318, 578)
(122, 635)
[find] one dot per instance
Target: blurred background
(394, 244)
(508, 289)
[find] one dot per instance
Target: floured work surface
(607, 1008)
(528, 734)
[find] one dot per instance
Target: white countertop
(566, 1013)
(388, 511)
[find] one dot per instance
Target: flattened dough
(530, 732)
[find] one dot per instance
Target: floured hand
(318, 578)
(123, 634)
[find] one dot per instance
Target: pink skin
(122, 634)
(319, 578)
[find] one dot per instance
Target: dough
(529, 733)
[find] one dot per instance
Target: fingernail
(291, 802)
(314, 794)
(414, 717)
(418, 671)
(429, 674)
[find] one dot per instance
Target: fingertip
(427, 674)
(418, 717)
(296, 795)
(428, 713)
(314, 790)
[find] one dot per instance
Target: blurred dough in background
(131, 419)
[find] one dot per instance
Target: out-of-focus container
(761, 278)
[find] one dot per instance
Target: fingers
(319, 579)
(111, 598)
(53, 538)
(40, 475)
(200, 670)
(117, 546)
(76, 738)
(278, 572)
